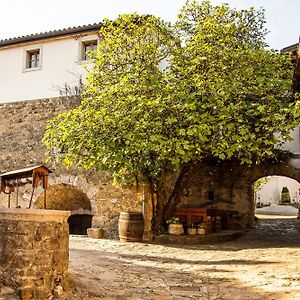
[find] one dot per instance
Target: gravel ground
(263, 264)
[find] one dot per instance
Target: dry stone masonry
(22, 126)
(34, 251)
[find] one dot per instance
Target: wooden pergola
(36, 175)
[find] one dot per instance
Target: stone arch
(68, 197)
(268, 190)
(232, 184)
(290, 169)
(286, 169)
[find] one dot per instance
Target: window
(33, 58)
(88, 46)
(211, 195)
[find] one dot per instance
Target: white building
(270, 191)
(38, 65)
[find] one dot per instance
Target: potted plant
(175, 227)
(201, 228)
(285, 196)
(192, 229)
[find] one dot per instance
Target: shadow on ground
(260, 265)
(266, 233)
(119, 276)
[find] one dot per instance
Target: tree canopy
(162, 96)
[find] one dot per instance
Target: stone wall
(224, 186)
(229, 186)
(34, 251)
(22, 126)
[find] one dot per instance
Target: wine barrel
(131, 226)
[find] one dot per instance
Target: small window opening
(33, 58)
(89, 46)
(211, 195)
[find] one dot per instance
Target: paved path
(284, 210)
(264, 264)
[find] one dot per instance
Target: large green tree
(162, 97)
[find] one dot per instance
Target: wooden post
(30, 202)
(45, 198)
(17, 199)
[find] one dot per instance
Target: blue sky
(19, 17)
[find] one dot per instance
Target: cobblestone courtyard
(263, 264)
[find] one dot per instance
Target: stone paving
(263, 264)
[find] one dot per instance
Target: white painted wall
(60, 64)
(270, 192)
(294, 145)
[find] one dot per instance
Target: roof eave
(50, 34)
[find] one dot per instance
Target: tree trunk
(176, 195)
(160, 196)
(165, 207)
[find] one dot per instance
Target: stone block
(95, 233)
(27, 293)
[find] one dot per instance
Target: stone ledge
(33, 215)
(219, 237)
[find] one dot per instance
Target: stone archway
(79, 222)
(228, 186)
(268, 191)
(68, 197)
(289, 168)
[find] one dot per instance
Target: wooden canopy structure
(36, 175)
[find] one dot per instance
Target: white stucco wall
(294, 145)
(60, 64)
(270, 192)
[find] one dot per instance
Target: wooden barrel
(131, 226)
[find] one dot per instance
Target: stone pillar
(34, 251)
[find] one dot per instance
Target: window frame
(37, 51)
(82, 48)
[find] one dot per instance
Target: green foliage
(202, 225)
(259, 183)
(238, 92)
(285, 190)
(161, 96)
(192, 225)
(285, 195)
(173, 221)
(125, 125)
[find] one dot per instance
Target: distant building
(270, 191)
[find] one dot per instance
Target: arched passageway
(276, 190)
(79, 223)
(276, 202)
(68, 197)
